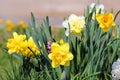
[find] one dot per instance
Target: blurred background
(56, 9)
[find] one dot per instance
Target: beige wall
(20, 9)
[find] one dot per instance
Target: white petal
(118, 60)
(82, 18)
(72, 16)
(100, 6)
(67, 32)
(65, 24)
(92, 5)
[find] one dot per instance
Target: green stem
(94, 74)
(116, 15)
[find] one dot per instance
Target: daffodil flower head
(33, 47)
(19, 44)
(16, 43)
(60, 54)
(22, 24)
(10, 25)
(74, 24)
(9, 22)
(106, 21)
(10, 28)
(1, 20)
(98, 7)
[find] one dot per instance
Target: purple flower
(48, 47)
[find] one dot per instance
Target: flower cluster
(11, 25)
(106, 20)
(18, 44)
(60, 54)
(76, 24)
(87, 50)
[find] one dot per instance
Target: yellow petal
(54, 65)
(69, 56)
(61, 41)
(50, 56)
(105, 29)
(65, 47)
(67, 63)
(55, 47)
(113, 24)
(15, 34)
(98, 17)
(63, 62)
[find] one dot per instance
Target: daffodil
(98, 7)
(1, 20)
(22, 24)
(74, 24)
(106, 21)
(16, 44)
(10, 28)
(9, 22)
(33, 47)
(10, 25)
(60, 54)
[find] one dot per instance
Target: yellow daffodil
(106, 21)
(9, 22)
(10, 28)
(33, 47)
(10, 25)
(22, 24)
(60, 54)
(74, 24)
(1, 20)
(19, 44)
(16, 44)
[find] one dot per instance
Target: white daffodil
(116, 70)
(98, 7)
(74, 24)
